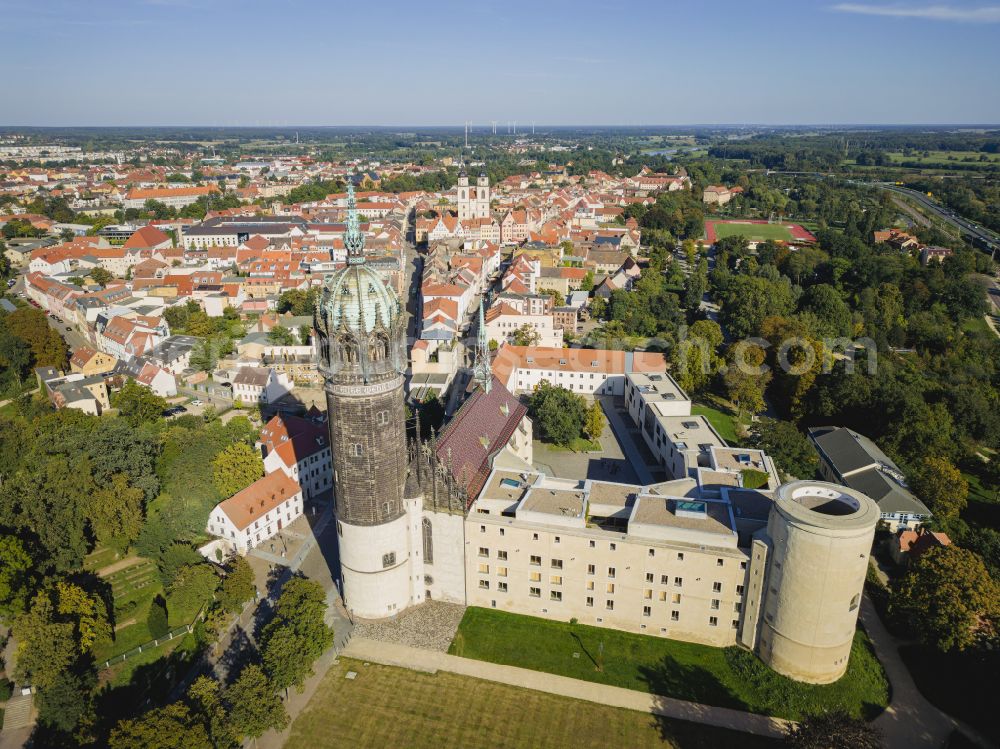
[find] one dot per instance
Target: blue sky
(389, 62)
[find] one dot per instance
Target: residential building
(253, 385)
(253, 516)
(301, 449)
(851, 459)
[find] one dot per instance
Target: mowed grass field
(754, 232)
(393, 707)
(727, 677)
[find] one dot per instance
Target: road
(965, 226)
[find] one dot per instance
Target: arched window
(428, 533)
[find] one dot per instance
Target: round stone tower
(820, 540)
(362, 340)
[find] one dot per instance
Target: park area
(394, 707)
(755, 231)
(727, 677)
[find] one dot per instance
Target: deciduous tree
(938, 483)
(254, 705)
(235, 468)
(238, 586)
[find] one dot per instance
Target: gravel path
(429, 626)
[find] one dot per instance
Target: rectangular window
(501, 572)
(590, 601)
(675, 616)
(484, 569)
(536, 560)
(388, 560)
(647, 594)
(502, 587)
(536, 577)
(484, 584)
(647, 611)
(738, 607)
(611, 572)
(719, 562)
(675, 598)
(534, 536)
(590, 569)
(678, 582)
(612, 547)
(593, 544)
(717, 587)
(482, 529)
(502, 556)
(483, 551)
(555, 595)
(739, 590)
(611, 588)
(535, 592)
(736, 623)
(652, 552)
(663, 595)
(609, 605)
(713, 621)
(664, 579)
(590, 585)
(557, 564)
(555, 579)
(649, 577)
(557, 539)
(715, 604)
(680, 556)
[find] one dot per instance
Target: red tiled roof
(259, 498)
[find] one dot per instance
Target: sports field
(756, 231)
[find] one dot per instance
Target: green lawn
(754, 232)
(393, 707)
(723, 422)
(728, 677)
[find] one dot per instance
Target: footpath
(429, 661)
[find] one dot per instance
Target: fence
(186, 629)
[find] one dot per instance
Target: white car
(196, 402)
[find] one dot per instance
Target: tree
(192, 586)
(587, 284)
(45, 647)
(558, 413)
(137, 404)
(235, 468)
(526, 335)
(297, 635)
(836, 730)
(205, 695)
(790, 450)
(170, 727)
(238, 586)
(47, 346)
(254, 705)
(281, 336)
(16, 568)
(832, 313)
(598, 308)
(948, 596)
(101, 276)
(203, 357)
(558, 300)
(300, 303)
(746, 379)
(116, 513)
(68, 701)
(87, 610)
(156, 620)
(593, 425)
(938, 483)
(694, 361)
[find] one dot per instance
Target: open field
(755, 230)
(728, 677)
(394, 707)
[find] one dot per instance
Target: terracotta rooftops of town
(608, 361)
(259, 498)
(294, 438)
(147, 236)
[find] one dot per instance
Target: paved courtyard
(429, 626)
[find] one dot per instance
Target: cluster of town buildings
(720, 552)
(905, 242)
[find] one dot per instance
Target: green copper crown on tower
(354, 239)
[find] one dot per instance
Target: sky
(555, 62)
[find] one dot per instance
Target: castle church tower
(362, 339)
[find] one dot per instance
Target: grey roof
(7, 306)
(255, 376)
(861, 465)
(844, 449)
(172, 348)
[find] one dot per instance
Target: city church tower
(362, 340)
(473, 200)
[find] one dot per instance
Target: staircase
(17, 712)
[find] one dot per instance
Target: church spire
(354, 239)
(482, 372)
